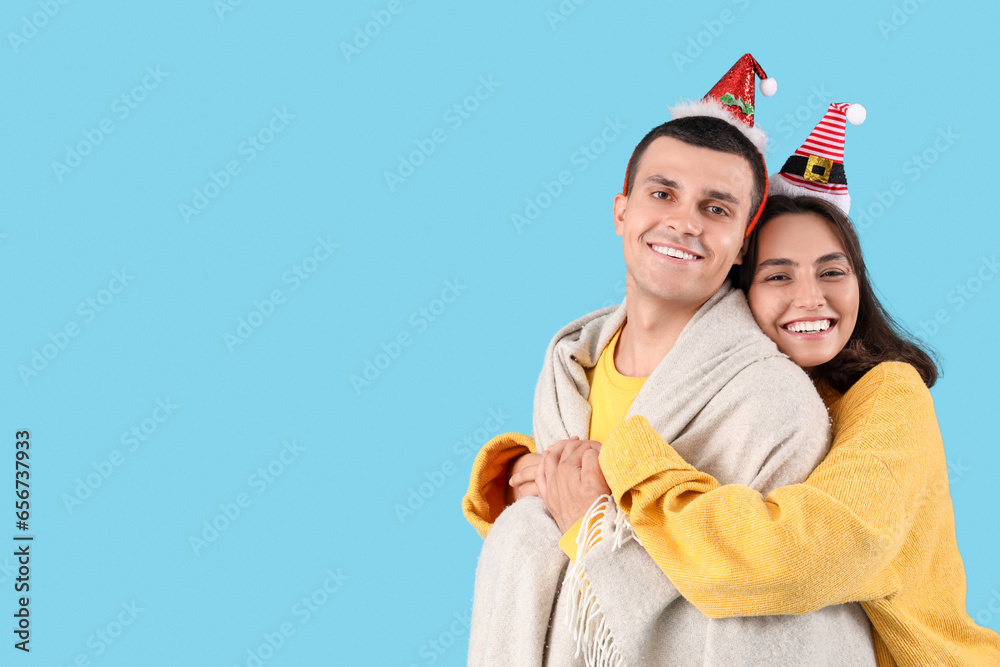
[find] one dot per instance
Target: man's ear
(621, 201)
(743, 250)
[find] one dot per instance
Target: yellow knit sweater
(873, 523)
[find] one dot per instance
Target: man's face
(683, 222)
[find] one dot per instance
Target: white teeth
(672, 252)
(808, 327)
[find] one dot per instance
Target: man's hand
(569, 479)
(522, 477)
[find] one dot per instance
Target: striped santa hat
(817, 167)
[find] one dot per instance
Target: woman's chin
(808, 359)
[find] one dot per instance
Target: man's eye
(717, 210)
(660, 194)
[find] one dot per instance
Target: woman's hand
(522, 477)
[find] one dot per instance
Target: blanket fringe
(623, 530)
(584, 617)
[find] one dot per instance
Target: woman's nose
(809, 294)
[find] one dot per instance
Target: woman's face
(804, 294)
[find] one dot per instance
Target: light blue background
(556, 83)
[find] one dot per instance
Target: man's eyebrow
(727, 197)
(723, 196)
(664, 181)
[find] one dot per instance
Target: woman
(873, 523)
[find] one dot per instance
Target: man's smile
(672, 251)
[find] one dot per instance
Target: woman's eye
(775, 278)
(833, 273)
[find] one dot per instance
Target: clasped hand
(567, 477)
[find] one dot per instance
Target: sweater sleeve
(487, 494)
(828, 540)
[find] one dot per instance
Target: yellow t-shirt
(611, 396)
(611, 393)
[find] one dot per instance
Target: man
(684, 353)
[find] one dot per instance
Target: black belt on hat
(815, 168)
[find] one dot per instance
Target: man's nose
(684, 220)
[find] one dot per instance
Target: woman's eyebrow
(777, 261)
(832, 257)
(784, 261)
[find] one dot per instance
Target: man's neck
(651, 328)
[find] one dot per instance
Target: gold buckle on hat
(818, 169)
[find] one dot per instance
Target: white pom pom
(856, 114)
(768, 87)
